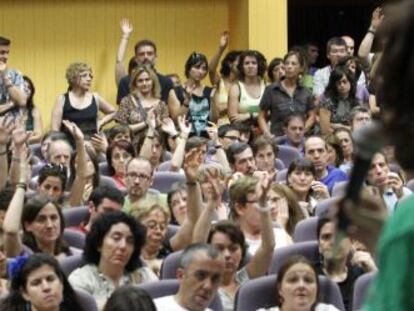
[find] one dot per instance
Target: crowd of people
(259, 148)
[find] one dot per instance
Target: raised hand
(168, 126)
(6, 128)
(213, 178)
(25, 167)
(192, 161)
(74, 130)
(99, 142)
(263, 185)
(185, 127)
(20, 135)
(377, 18)
(126, 27)
(212, 131)
(224, 39)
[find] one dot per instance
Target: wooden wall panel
(47, 35)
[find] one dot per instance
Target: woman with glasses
(112, 254)
(118, 154)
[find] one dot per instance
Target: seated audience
(301, 179)
(244, 209)
(347, 145)
(129, 298)
(38, 283)
(265, 153)
(102, 199)
(390, 184)
(316, 151)
(294, 129)
(359, 116)
(298, 275)
(285, 210)
(230, 241)
(177, 203)
(340, 264)
(200, 273)
(112, 254)
(118, 154)
(241, 160)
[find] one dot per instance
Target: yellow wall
(49, 34)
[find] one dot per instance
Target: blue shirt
(16, 79)
(334, 175)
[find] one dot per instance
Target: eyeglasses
(141, 176)
(154, 225)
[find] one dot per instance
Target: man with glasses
(228, 134)
(139, 178)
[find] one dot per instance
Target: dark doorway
(316, 20)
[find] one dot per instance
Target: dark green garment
(393, 287)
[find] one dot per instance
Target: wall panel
(47, 35)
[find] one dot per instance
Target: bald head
(350, 45)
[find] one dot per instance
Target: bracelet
(2, 153)
(186, 105)
(21, 185)
(174, 136)
(371, 31)
(150, 137)
(191, 183)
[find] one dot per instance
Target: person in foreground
(394, 249)
(298, 288)
(199, 275)
(38, 283)
(130, 298)
(112, 253)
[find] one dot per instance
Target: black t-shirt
(347, 286)
(165, 83)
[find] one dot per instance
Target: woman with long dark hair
(38, 283)
(338, 100)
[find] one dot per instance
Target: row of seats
(257, 293)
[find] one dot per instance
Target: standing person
(145, 54)
(143, 99)
(198, 98)
(223, 80)
(335, 51)
(338, 101)
(11, 81)
(245, 95)
(312, 54)
(286, 97)
(79, 105)
(276, 70)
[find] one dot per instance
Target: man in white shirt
(199, 274)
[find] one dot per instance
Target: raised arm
(212, 68)
(221, 156)
(126, 29)
(78, 186)
(178, 155)
(183, 238)
(20, 138)
(57, 113)
(203, 225)
(260, 262)
(6, 128)
(366, 43)
(325, 120)
(12, 219)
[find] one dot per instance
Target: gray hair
(190, 253)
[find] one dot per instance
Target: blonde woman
(79, 105)
(143, 98)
